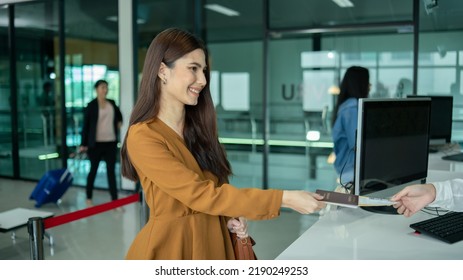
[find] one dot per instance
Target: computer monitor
(440, 131)
(392, 146)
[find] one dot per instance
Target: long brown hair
(200, 129)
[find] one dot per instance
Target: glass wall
(91, 35)
(307, 45)
(38, 96)
(235, 42)
(6, 158)
(155, 16)
(440, 64)
(440, 61)
(309, 53)
(91, 54)
(299, 102)
(388, 58)
(236, 85)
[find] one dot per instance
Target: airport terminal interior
(276, 68)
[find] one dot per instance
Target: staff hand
(413, 198)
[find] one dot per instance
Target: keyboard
(448, 227)
(455, 157)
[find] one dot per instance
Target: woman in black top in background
(100, 131)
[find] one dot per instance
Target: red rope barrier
(80, 214)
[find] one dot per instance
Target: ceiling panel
(91, 19)
(316, 13)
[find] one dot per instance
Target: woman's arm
(156, 163)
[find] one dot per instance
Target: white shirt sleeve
(449, 195)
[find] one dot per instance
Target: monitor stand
(381, 209)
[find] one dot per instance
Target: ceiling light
(343, 3)
(222, 10)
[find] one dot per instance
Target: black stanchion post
(36, 232)
(144, 210)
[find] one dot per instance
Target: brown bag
(243, 247)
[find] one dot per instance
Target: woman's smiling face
(186, 79)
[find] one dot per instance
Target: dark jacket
(91, 120)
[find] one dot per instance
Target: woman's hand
(302, 201)
(240, 227)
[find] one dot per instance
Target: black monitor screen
(392, 143)
(441, 118)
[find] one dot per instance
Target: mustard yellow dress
(188, 211)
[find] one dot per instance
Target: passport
(343, 199)
(352, 200)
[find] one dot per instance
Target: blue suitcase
(51, 186)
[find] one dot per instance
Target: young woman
(102, 120)
(172, 148)
(354, 85)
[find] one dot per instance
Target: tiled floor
(107, 236)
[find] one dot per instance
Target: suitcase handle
(65, 174)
